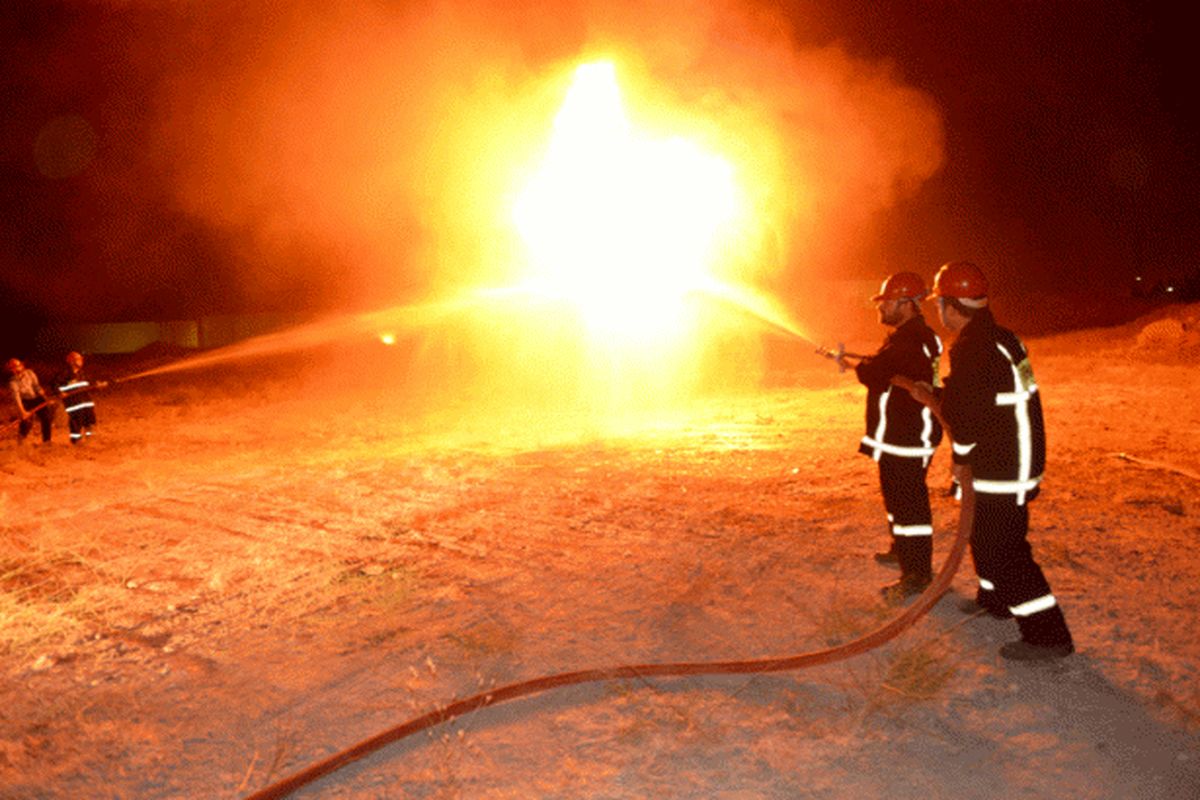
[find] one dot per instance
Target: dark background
(1073, 139)
(1071, 163)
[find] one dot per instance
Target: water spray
(763, 310)
(766, 312)
(747, 302)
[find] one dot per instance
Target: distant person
(902, 434)
(72, 386)
(29, 398)
(992, 405)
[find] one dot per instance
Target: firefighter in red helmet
(73, 386)
(902, 434)
(992, 405)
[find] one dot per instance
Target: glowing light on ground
(622, 225)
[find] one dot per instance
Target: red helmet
(902, 286)
(960, 279)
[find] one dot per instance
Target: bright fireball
(621, 225)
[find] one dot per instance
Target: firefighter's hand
(922, 392)
(101, 384)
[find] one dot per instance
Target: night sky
(1069, 160)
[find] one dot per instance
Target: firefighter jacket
(896, 423)
(73, 388)
(991, 403)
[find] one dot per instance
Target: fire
(622, 225)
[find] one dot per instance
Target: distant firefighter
(29, 398)
(73, 386)
(902, 434)
(993, 407)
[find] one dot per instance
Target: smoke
(360, 155)
(369, 149)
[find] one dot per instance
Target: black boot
(895, 594)
(889, 557)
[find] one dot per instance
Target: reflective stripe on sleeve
(987, 585)
(1031, 607)
(912, 530)
(963, 449)
(76, 385)
(78, 406)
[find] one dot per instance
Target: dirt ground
(249, 569)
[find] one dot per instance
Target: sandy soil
(245, 573)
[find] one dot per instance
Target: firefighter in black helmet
(993, 407)
(902, 434)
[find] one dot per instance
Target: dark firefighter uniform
(990, 401)
(73, 387)
(901, 436)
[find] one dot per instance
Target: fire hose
(876, 638)
(29, 412)
(48, 401)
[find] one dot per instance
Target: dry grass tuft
(843, 623)
(919, 672)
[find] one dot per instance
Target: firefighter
(992, 405)
(902, 434)
(29, 398)
(72, 386)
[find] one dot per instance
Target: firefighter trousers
(1009, 578)
(45, 417)
(906, 499)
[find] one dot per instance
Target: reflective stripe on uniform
(1006, 487)
(962, 449)
(76, 385)
(1031, 607)
(78, 406)
(912, 530)
(877, 440)
(987, 585)
(1013, 398)
(1019, 400)
(895, 449)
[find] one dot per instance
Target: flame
(622, 225)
